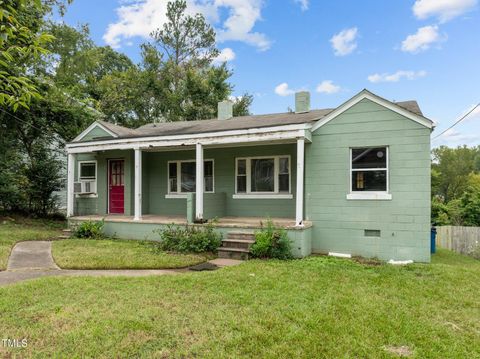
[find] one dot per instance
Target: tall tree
(183, 79)
(20, 40)
(452, 167)
(186, 39)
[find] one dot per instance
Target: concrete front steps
(236, 245)
(66, 233)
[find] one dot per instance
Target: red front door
(116, 186)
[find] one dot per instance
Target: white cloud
(454, 138)
(226, 54)
(397, 76)
(422, 39)
(344, 43)
(303, 4)
(444, 10)
(327, 87)
(141, 17)
(243, 14)
(284, 90)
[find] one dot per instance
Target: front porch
(127, 227)
(235, 181)
(226, 222)
(265, 180)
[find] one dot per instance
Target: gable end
(378, 100)
(95, 131)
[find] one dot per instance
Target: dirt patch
(372, 262)
(401, 351)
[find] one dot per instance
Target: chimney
(302, 102)
(225, 110)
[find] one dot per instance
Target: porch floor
(234, 222)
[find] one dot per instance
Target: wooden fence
(464, 240)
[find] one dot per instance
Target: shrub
(90, 229)
(271, 242)
(189, 239)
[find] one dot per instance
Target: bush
(90, 229)
(271, 242)
(189, 239)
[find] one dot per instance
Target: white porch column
(70, 181)
(300, 179)
(138, 185)
(199, 183)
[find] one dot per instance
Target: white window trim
(370, 195)
(179, 194)
(264, 195)
(79, 179)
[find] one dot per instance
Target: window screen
(283, 174)
(188, 170)
(87, 170)
(182, 176)
(262, 178)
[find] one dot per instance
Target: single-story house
(353, 179)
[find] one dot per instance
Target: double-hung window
(369, 173)
(182, 176)
(87, 176)
(263, 175)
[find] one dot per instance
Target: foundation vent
(372, 233)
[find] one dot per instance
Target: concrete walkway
(33, 259)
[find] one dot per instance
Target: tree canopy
(456, 186)
(55, 81)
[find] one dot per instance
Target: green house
(353, 180)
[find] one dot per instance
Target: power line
(21, 120)
(458, 121)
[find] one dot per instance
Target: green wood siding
(96, 132)
(99, 204)
(155, 178)
(338, 223)
(155, 165)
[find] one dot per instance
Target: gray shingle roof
(236, 123)
(119, 130)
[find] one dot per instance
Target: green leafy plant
(271, 242)
(189, 239)
(90, 229)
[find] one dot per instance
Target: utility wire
(21, 120)
(458, 121)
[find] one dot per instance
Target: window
(182, 176)
(241, 176)
(369, 169)
(88, 170)
(267, 175)
(87, 176)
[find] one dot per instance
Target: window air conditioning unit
(84, 187)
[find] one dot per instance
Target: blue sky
(427, 50)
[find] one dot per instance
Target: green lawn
(118, 254)
(316, 307)
(13, 230)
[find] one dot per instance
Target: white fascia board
(374, 98)
(91, 127)
(146, 143)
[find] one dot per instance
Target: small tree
(470, 202)
(43, 174)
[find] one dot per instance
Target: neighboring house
(354, 179)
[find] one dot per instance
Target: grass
(17, 229)
(315, 307)
(118, 254)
